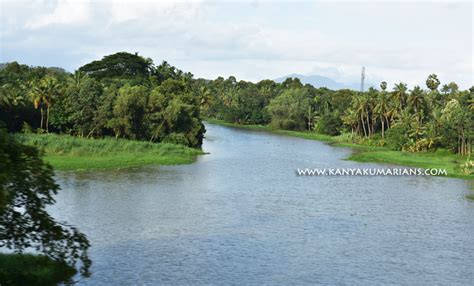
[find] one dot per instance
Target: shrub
(329, 124)
(28, 269)
(176, 138)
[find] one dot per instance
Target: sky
(252, 40)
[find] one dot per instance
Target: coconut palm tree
(351, 118)
(43, 94)
(10, 95)
(78, 77)
(37, 94)
(362, 108)
(416, 101)
(381, 110)
(206, 99)
(433, 127)
(399, 95)
(371, 98)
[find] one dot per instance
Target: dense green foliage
(122, 95)
(67, 153)
(119, 65)
(410, 120)
(127, 96)
(27, 269)
(27, 188)
(290, 110)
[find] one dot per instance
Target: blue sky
(252, 40)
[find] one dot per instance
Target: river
(241, 215)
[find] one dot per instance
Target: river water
(241, 215)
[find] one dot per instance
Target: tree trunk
(363, 125)
(463, 146)
(90, 133)
(383, 129)
(459, 144)
(470, 146)
(42, 115)
(368, 124)
(309, 118)
(47, 119)
(374, 122)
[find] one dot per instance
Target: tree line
(122, 95)
(126, 95)
(440, 116)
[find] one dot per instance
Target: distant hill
(322, 81)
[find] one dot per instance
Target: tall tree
(289, 109)
(381, 108)
(122, 64)
(43, 94)
(459, 118)
(399, 95)
(27, 187)
(416, 101)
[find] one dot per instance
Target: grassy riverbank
(68, 153)
(440, 159)
(27, 269)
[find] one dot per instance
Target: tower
(362, 78)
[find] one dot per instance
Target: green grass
(69, 153)
(28, 269)
(362, 153)
(450, 162)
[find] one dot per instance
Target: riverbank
(440, 160)
(69, 153)
(28, 269)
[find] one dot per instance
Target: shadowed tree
(27, 187)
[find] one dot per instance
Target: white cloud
(172, 11)
(251, 39)
(65, 12)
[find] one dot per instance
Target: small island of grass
(70, 153)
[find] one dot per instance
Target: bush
(28, 269)
(468, 167)
(347, 137)
(27, 129)
(396, 138)
(329, 124)
(176, 138)
(286, 124)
